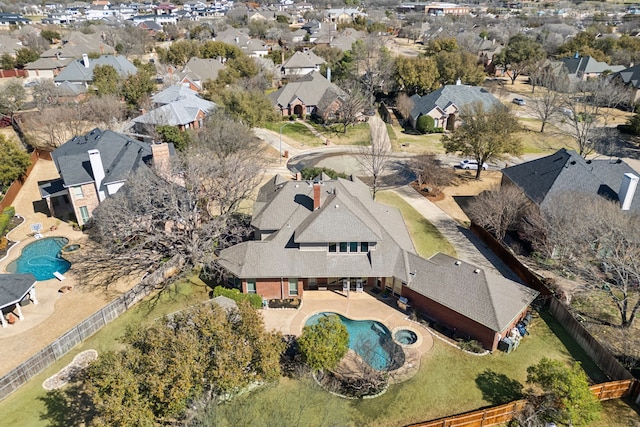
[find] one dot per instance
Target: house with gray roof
(566, 172)
(94, 166)
(585, 67)
(175, 106)
(80, 72)
(302, 63)
(199, 70)
(76, 43)
(629, 77)
(444, 104)
(311, 94)
(330, 234)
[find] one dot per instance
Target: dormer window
(333, 247)
(364, 246)
(344, 246)
(349, 247)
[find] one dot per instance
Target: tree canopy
(13, 161)
(417, 75)
(520, 51)
(106, 80)
(324, 344)
(484, 135)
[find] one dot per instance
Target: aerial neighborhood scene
(315, 213)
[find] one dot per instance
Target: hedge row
(254, 299)
(5, 218)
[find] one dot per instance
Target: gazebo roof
(14, 287)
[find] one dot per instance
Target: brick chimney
(161, 156)
(317, 189)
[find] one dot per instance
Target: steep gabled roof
(303, 60)
(630, 76)
(567, 172)
(588, 65)
(203, 69)
(486, 298)
(458, 95)
(77, 72)
(120, 156)
(310, 89)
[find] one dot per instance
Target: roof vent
(619, 161)
(572, 162)
(589, 161)
(458, 263)
(477, 271)
(337, 206)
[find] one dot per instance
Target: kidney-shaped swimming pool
(41, 258)
(371, 340)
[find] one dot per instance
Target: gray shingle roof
(14, 287)
(120, 156)
(567, 172)
(310, 89)
(629, 76)
(586, 64)
(303, 60)
(458, 95)
(203, 69)
(179, 105)
(77, 72)
(486, 298)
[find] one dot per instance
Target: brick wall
(89, 199)
(274, 288)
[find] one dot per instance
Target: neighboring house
(566, 172)
(345, 40)
(330, 235)
(80, 72)
(311, 94)
(76, 44)
(629, 77)
(433, 8)
(94, 166)
(47, 67)
(444, 104)
(302, 63)
(176, 106)
(9, 45)
(343, 16)
(151, 27)
(585, 67)
(15, 19)
(198, 70)
(239, 37)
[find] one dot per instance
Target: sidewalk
(468, 247)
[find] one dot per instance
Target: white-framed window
(333, 247)
(77, 192)
(353, 246)
(293, 287)
(364, 246)
(84, 214)
(251, 286)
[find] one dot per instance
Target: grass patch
(426, 237)
(449, 382)
(296, 131)
(179, 296)
(358, 134)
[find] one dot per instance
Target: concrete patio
(356, 306)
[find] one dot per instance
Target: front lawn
(358, 134)
(296, 131)
(26, 407)
(426, 237)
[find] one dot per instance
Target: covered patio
(14, 289)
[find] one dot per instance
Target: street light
(288, 123)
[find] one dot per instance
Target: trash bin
(286, 154)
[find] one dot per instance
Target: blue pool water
(41, 258)
(371, 340)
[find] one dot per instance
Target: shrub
(5, 218)
(470, 345)
(254, 299)
(425, 124)
(310, 173)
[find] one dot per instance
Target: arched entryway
(298, 110)
(451, 122)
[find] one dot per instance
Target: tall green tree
(417, 75)
(485, 134)
(106, 80)
(251, 107)
(519, 53)
(26, 55)
(13, 161)
(324, 344)
(458, 65)
(137, 86)
(568, 397)
(7, 61)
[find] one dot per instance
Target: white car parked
(467, 164)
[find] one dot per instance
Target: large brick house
(330, 235)
(92, 167)
(311, 94)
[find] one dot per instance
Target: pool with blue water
(42, 258)
(371, 340)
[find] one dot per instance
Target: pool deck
(357, 306)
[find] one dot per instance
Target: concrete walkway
(468, 247)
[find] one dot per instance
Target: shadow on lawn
(498, 388)
(70, 407)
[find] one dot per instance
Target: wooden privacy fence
(505, 413)
(596, 351)
(13, 73)
(16, 185)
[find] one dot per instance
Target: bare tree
(404, 105)
(589, 105)
(498, 210)
(547, 103)
(184, 212)
(374, 158)
(45, 93)
(430, 170)
(350, 106)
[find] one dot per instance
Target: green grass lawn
(358, 134)
(426, 237)
(449, 382)
(296, 131)
(26, 408)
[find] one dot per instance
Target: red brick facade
(274, 288)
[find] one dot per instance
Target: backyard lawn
(26, 407)
(426, 237)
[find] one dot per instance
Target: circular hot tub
(405, 336)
